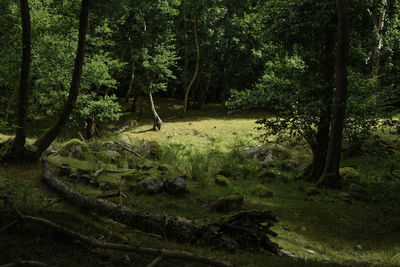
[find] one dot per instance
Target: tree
(331, 177)
(18, 149)
(45, 141)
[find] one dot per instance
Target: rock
(221, 180)
(349, 173)
(74, 176)
(153, 149)
(262, 191)
(109, 156)
(231, 202)
(109, 146)
(266, 173)
(355, 188)
(164, 167)
(146, 167)
(312, 191)
(345, 197)
(124, 137)
(152, 185)
(85, 178)
(74, 148)
(65, 170)
(175, 186)
(266, 153)
(359, 247)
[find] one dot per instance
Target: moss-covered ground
(320, 227)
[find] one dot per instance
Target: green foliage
(99, 108)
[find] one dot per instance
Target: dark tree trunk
(20, 137)
(90, 127)
(157, 121)
(330, 177)
(321, 147)
(44, 142)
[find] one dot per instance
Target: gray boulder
(151, 185)
(175, 186)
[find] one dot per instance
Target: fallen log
(160, 253)
(25, 263)
(242, 231)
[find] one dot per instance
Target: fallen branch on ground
(129, 150)
(118, 194)
(25, 263)
(247, 230)
(160, 253)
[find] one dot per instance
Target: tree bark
(379, 27)
(322, 138)
(128, 93)
(187, 91)
(330, 177)
(20, 136)
(45, 141)
(157, 121)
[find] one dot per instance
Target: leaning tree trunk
(18, 150)
(128, 93)
(379, 27)
(196, 71)
(321, 147)
(45, 141)
(157, 121)
(330, 177)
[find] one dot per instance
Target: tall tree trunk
(330, 177)
(44, 142)
(128, 93)
(20, 137)
(379, 27)
(185, 105)
(321, 147)
(185, 51)
(157, 121)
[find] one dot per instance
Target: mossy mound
(232, 202)
(349, 173)
(74, 148)
(222, 180)
(312, 191)
(153, 150)
(262, 191)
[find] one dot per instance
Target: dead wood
(25, 263)
(118, 194)
(161, 253)
(242, 231)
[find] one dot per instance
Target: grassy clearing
(321, 230)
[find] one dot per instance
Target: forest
(199, 133)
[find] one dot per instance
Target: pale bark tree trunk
(330, 177)
(379, 27)
(187, 91)
(20, 137)
(128, 93)
(157, 121)
(44, 142)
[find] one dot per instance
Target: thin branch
(25, 263)
(129, 150)
(165, 253)
(156, 261)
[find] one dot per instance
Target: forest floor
(320, 227)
